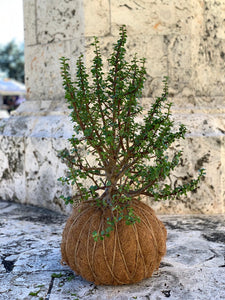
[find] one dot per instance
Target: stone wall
(184, 40)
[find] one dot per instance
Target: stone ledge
(29, 163)
(29, 256)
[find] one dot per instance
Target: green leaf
(55, 275)
(35, 294)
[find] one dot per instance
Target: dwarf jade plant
(113, 157)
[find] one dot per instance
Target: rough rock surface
(193, 268)
(29, 148)
(184, 40)
(30, 166)
(181, 39)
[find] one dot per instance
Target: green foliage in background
(12, 61)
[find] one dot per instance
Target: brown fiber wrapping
(130, 254)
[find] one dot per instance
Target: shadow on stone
(216, 237)
(8, 264)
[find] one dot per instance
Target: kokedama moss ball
(130, 254)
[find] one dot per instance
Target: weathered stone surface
(203, 147)
(30, 30)
(12, 168)
(52, 30)
(180, 61)
(209, 198)
(152, 17)
(30, 260)
(97, 17)
(30, 165)
(214, 18)
(59, 20)
(42, 68)
(179, 38)
(184, 40)
(209, 67)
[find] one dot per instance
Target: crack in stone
(127, 6)
(215, 237)
(50, 289)
(165, 264)
(210, 258)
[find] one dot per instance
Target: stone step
(30, 237)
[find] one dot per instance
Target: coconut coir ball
(130, 254)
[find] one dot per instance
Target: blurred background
(12, 88)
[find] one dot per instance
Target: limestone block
(214, 21)
(59, 20)
(30, 30)
(208, 52)
(43, 168)
(30, 165)
(179, 61)
(12, 176)
(208, 66)
(203, 148)
(189, 16)
(96, 17)
(142, 17)
(196, 64)
(42, 68)
(153, 49)
(154, 17)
